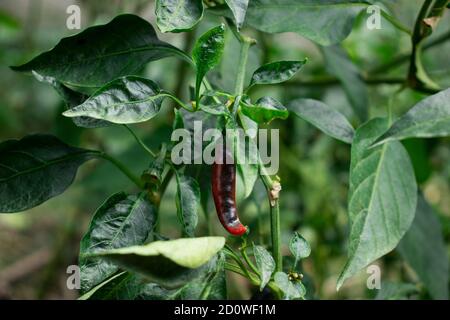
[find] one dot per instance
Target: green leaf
(36, 168)
(429, 118)
(276, 72)
(382, 197)
(170, 263)
(72, 99)
(215, 109)
(340, 65)
(153, 176)
(323, 117)
(291, 290)
(112, 284)
(424, 248)
(323, 21)
(210, 285)
(264, 263)
(187, 201)
(129, 99)
(102, 53)
(178, 15)
(299, 247)
(207, 53)
(247, 170)
(245, 155)
(250, 127)
(122, 221)
(265, 110)
(239, 8)
(395, 291)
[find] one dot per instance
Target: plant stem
(395, 22)
(416, 38)
(273, 188)
(240, 76)
(236, 269)
(405, 57)
(276, 235)
(119, 165)
(207, 289)
(140, 142)
(177, 101)
(241, 265)
(247, 259)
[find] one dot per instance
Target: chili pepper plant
(125, 253)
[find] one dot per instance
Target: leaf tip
(69, 113)
(340, 282)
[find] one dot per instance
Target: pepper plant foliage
(123, 255)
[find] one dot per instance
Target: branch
(405, 57)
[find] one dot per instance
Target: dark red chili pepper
(224, 193)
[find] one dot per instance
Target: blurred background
(37, 246)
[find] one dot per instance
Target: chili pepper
(224, 193)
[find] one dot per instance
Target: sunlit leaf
(170, 263)
(276, 72)
(207, 53)
(429, 118)
(382, 197)
(324, 117)
(178, 15)
(265, 264)
(239, 8)
(129, 99)
(299, 247)
(265, 110)
(323, 21)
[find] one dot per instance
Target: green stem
(208, 86)
(140, 142)
(236, 269)
(273, 188)
(419, 34)
(207, 289)
(119, 165)
(241, 265)
(240, 76)
(395, 22)
(243, 272)
(177, 101)
(276, 235)
(243, 252)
